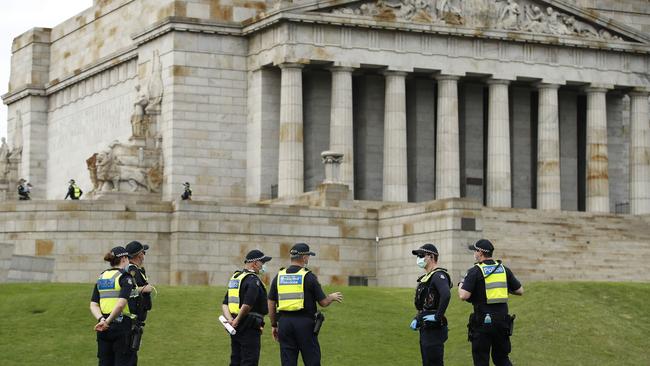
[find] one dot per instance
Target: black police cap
(135, 247)
(256, 255)
(119, 252)
(427, 248)
(301, 249)
(482, 245)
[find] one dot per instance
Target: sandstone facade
(451, 114)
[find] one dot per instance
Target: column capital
(340, 68)
(639, 93)
(443, 77)
(542, 85)
(394, 73)
(290, 65)
(595, 89)
(498, 82)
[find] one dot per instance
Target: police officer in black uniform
(487, 285)
(187, 192)
(294, 293)
(143, 289)
(111, 306)
(245, 306)
(431, 300)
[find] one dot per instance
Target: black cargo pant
(432, 345)
(113, 348)
(297, 336)
(494, 338)
(245, 347)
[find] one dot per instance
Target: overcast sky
(19, 16)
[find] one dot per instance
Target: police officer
(24, 190)
(294, 293)
(111, 308)
(74, 192)
(245, 306)
(431, 300)
(187, 192)
(486, 285)
(143, 290)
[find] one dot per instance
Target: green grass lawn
(557, 324)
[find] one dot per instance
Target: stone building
(524, 121)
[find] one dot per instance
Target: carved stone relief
(134, 167)
(515, 15)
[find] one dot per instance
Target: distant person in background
(74, 192)
(187, 193)
(24, 190)
(486, 285)
(431, 300)
(111, 305)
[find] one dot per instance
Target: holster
(136, 336)
(471, 327)
(428, 324)
(320, 318)
(253, 321)
(511, 324)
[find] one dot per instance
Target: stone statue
(107, 173)
(138, 118)
(155, 86)
(91, 164)
(508, 16)
(4, 159)
(581, 28)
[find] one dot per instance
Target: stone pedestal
(395, 187)
(447, 147)
(332, 161)
(499, 192)
(548, 149)
(291, 160)
(597, 156)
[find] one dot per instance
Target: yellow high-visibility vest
(109, 288)
(233, 290)
(426, 277)
(291, 290)
(496, 283)
(77, 191)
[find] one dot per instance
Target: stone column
(499, 191)
(597, 157)
(447, 146)
(639, 153)
(291, 160)
(548, 149)
(395, 187)
(341, 126)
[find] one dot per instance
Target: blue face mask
(421, 262)
(263, 269)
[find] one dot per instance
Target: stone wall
(83, 119)
(203, 242)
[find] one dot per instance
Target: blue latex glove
(414, 325)
(429, 318)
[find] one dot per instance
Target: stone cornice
(514, 36)
(24, 92)
(182, 24)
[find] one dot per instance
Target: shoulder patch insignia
(442, 276)
(258, 283)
